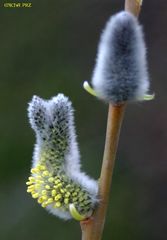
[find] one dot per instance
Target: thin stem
(93, 229)
(133, 6)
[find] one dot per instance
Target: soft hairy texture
(120, 73)
(56, 180)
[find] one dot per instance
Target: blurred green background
(51, 48)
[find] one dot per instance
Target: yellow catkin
(49, 189)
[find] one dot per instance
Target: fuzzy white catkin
(56, 144)
(120, 73)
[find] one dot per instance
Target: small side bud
(120, 72)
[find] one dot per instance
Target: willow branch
(93, 229)
(133, 6)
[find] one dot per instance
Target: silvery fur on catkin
(120, 73)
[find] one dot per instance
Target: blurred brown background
(51, 48)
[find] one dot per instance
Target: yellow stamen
(81, 199)
(36, 195)
(45, 173)
(34, 170)
(51, 179)
(39, 181)
(62, 190)
(57, 205)
(44, 192)
(50, 200)
(44, 197)
(40, 200)
(57, 181)
(47, 187)
(37, 186)
(67, 194)
(29, 190)
(60, 185)
(31, 179)
(38, 177)
(38, 168)
(53, 193)
(42, 167)
(44, 204)
(66, 200)
(28, 183)
(31, 187)
(74, 194)
(57, 197)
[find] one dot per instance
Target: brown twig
(93, 229)
(133, 6)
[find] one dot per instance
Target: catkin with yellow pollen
(56, 180)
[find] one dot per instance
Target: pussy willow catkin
(120, 73)
(56, 180)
